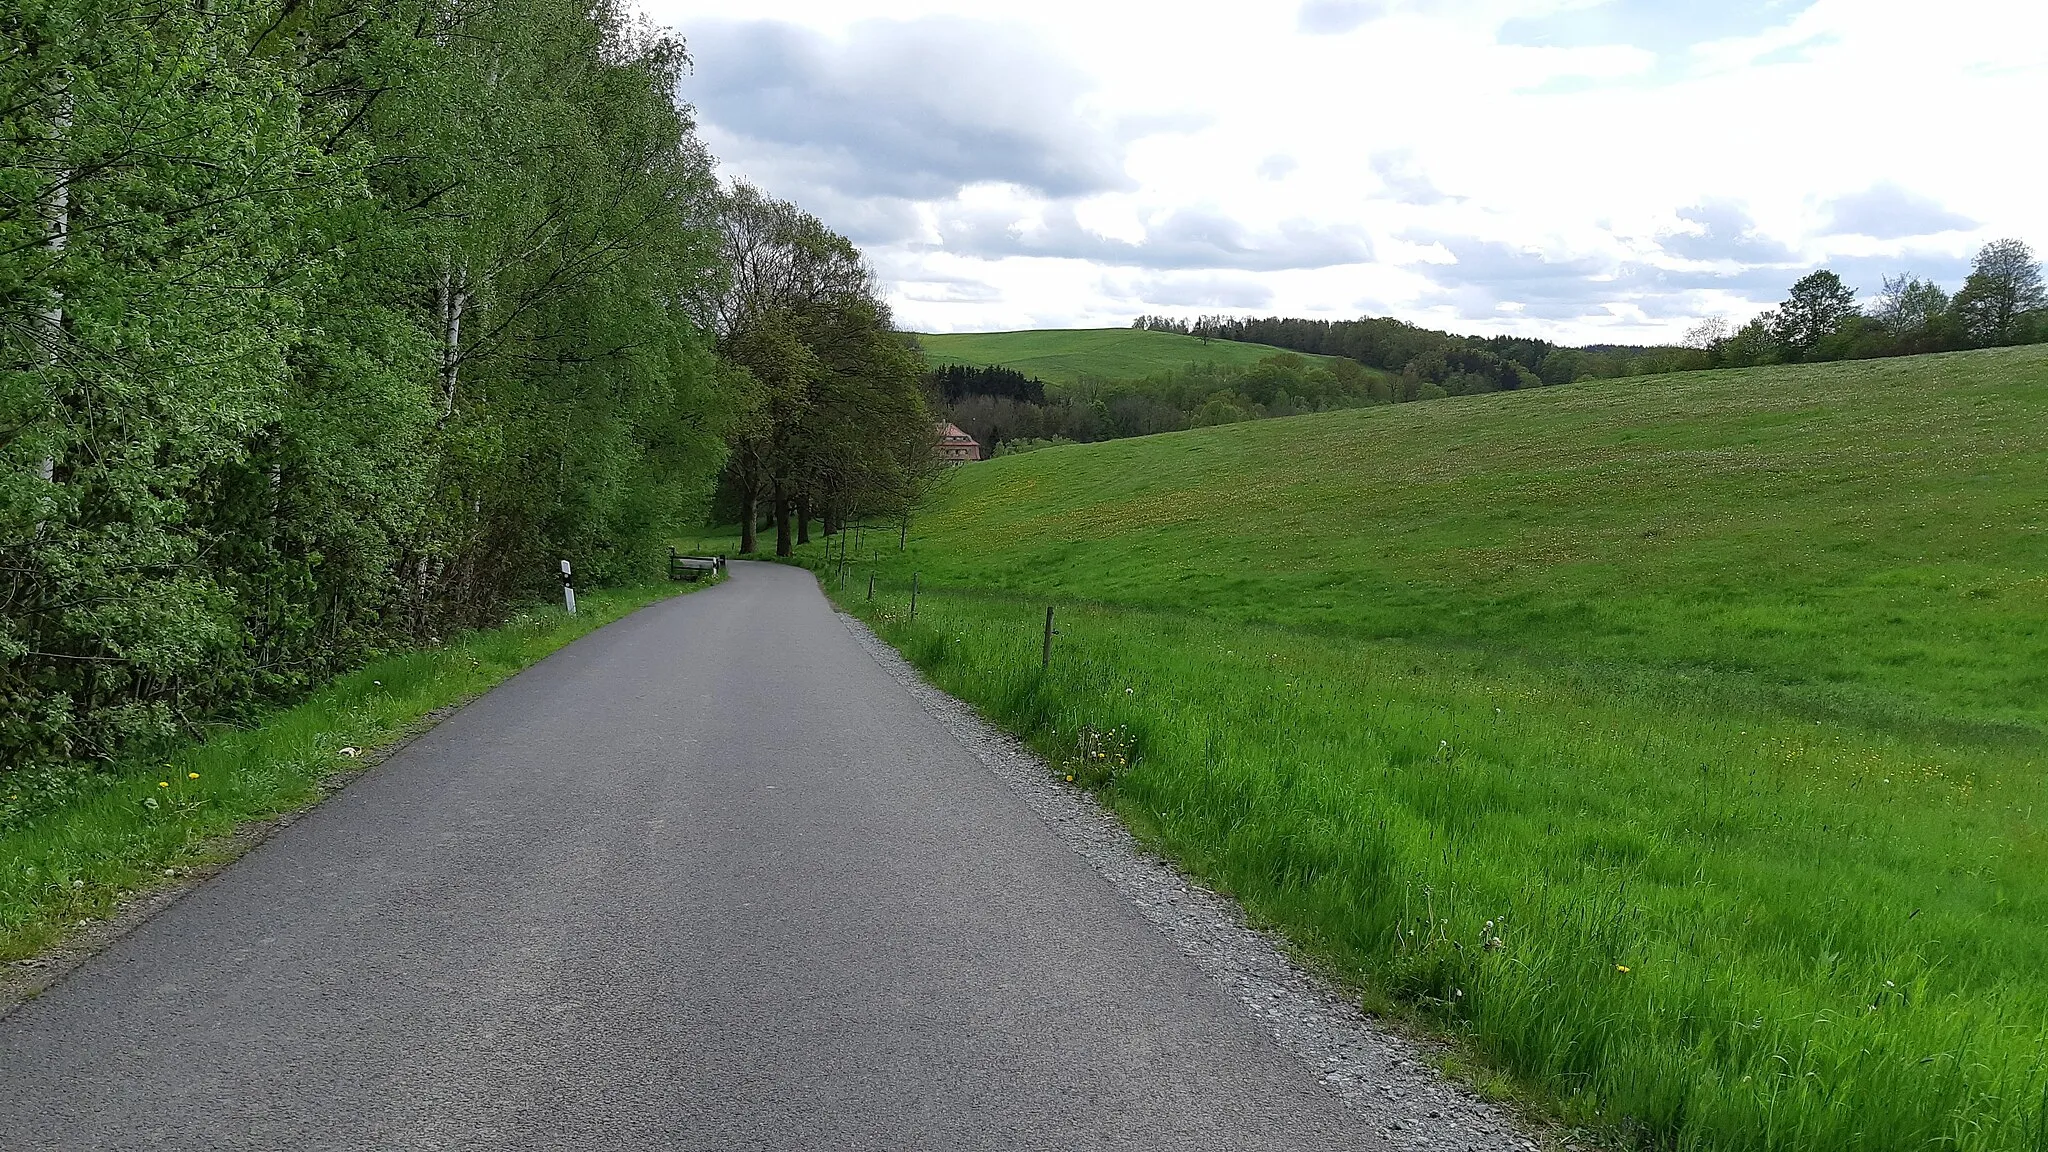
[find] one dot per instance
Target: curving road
(706, 879)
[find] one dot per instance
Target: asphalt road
(706, 879)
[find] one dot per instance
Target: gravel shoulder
(1384, 1076)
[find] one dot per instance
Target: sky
(1593, 171)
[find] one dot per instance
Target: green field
(1677, 744)
(1062, 356)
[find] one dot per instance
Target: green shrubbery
(325, 328)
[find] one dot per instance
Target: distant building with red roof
(957, 447)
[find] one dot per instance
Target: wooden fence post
(1045, 656)
(913, 595)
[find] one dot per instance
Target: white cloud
(1889, 212)
(1584, 169)
(1336, 17)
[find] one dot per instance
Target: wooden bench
(681, 567)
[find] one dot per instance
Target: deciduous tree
(322, 324)
(2004, 285)
(1817, 308)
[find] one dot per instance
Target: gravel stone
(1380, 1074)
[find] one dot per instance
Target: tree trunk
(750, 519)
(784, 545)
(803, 518)
(57, 214)
(832, 525)
(452, 299)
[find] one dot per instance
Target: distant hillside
(1064, 355)
(1014, 391)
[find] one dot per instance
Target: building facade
(957, 447)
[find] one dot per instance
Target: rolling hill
(1062, 356)
(1675, 745)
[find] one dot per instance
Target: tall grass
(1709, 807)
(74, 860)
(1715, 929)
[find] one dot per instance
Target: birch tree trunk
(452, 302)
(57, 217)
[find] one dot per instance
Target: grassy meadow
(77, 859)
(1677, 743)
(1062, 356)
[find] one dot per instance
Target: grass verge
(1684, 926)
(71, 867)
(1676, 744)
(723, 540)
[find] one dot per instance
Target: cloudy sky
(1592, 170)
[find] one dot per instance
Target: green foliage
(1432, 364)
(838, 422)
(325, 328)
(1915, 312)
(1753, 344)
(1819, 306)
(1729, 680)
(2003, 302)
(2003, 289)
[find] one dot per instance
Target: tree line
(952, 383)
(1427, 363)
(2002, 302)
(326, 328)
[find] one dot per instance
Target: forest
(328, 329)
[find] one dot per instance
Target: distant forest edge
(1321, 365)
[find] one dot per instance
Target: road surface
(706, 879)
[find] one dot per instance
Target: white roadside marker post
(568, 591)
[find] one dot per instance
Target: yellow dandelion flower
(163, 783)
(191, 775)
(1621, 967)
